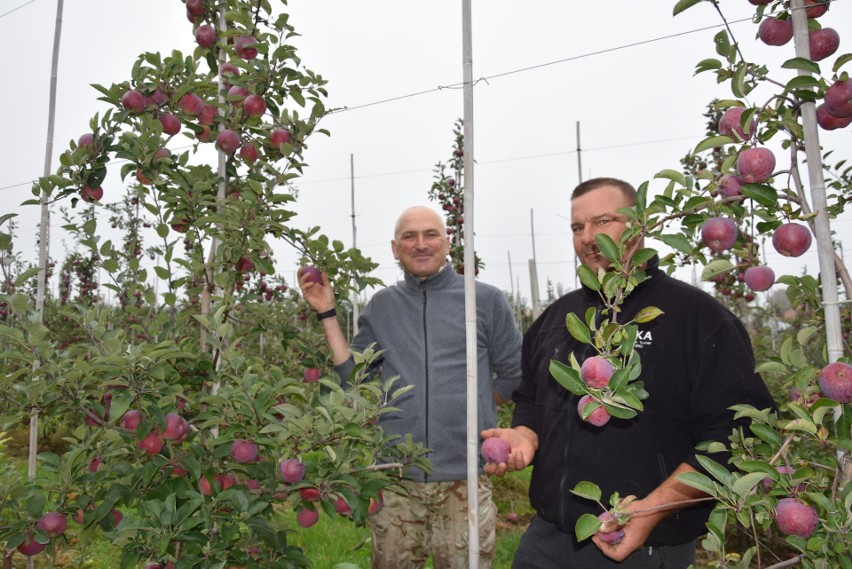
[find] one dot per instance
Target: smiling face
(421, 243)
(595, 212)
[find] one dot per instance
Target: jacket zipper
(426, 371)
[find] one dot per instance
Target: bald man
(419, 323)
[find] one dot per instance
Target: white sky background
(640, 108)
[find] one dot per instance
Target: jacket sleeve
(504, 348)
(524, 414)
(725, 377)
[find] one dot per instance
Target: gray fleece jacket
(420, 324)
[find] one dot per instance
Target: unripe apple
(133, 101)
(760, 278)
(89, 194)
(171, 124)
(729, 186)
(719, 233)
(791, 239)
(755, 165)
(596, 372)
(773, 31)
(152, 443)
(244, 451)
(191, 104)
(311, 375)
(291, 470)
(495, 450)
(228, 141)
(823, 43)
(131, 420)
(244, 46)
(838, 99)
(248, 152)
(828, 121)
(306, 517)
(205, 36)
(30, 546)
(599, 417)
(835, 382)
(342, 506)
(731, 124)
(795, 518)
(254, 105)
(53, 524)
(612, 537)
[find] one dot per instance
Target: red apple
(291, 470)
(30, 546)
(196, 7)
(376, 505)
(311, 375)
(279, 136)
(828, 121)
(254, 105)
(244, 451)
(205, 36)
(599, 417)
(86, 139)
(342, 507)
(838, 99)
(151, 444)
(205, 487)
(729, 186)
(191, 104)
(228, 141)
(306, 517)
(89, 194)
(816, 8)
(795, 518)
(731, 124)
(613, 537)
(177, 428)
(171, 124)
(131, 420)
(244, 46)
(53, 524)
(596, 372)
(773, 31)
(755, 165)
(760, 278)
(244, 264)
(95, 463)
(314, 274)
(229, 68)
(310, 494)
(133, 101)
(719, 234)
(791, 239)
(248, 152)
(835, 382)
(823, 43)
(495, 450)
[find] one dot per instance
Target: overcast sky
(623, 69)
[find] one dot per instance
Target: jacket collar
(442, 278)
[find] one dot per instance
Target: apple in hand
(611, 537)
(495, 450)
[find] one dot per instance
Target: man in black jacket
(696, 362)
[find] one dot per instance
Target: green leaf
(745, 484)
(802, 64)
(577, 329)
(26, 275)
(715, 268)
(804, 334)
(673, 175)
(567, 377)
(677, 242)
(684, 5)
(738, 82)
(586, 526)
(607, 247)
(647, 314)
(764, 195)
(588, 277)
(642, 256)
(699, 482)
(712, 142)
(715, 469)
(707, 65)
(35, 505)
(588, 490)
(771, 367)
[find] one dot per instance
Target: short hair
(595, 183)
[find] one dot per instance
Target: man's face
(592, 213)
(422, 244)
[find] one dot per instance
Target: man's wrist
(330, 313)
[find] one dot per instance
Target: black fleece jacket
(697, 361)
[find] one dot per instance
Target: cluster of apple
(596, 372)
(836, 110)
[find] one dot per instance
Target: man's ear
(393, 249)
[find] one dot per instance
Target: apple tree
(192, 420)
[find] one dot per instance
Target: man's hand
(319, 296)
(636, 531)
(523, 443)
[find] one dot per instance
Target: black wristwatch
(327, 314)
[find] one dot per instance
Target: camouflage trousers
(432, 519)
